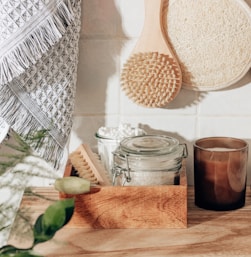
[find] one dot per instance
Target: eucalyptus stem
(48, 223)
(20, 149)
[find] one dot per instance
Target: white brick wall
(109, 31)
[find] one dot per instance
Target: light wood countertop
(209, 233)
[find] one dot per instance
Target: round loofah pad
(151, 79)
(212, 40)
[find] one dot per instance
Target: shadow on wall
(188, 97)
(100, 48)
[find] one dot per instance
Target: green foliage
(56, 215)
(36, 139)
(11, 251)
(54, 218)
(15, 152)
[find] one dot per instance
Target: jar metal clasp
(185, 151)
(118, 171)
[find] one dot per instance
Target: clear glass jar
(148, 160)
(108, 140)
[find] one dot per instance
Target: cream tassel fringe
(25, 123)
(15, 61)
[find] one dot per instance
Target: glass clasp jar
(109, 138)
(148, 160)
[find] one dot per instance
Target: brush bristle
(87, 165)
(82, 168)
(151, 79)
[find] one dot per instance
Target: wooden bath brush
(87, 166)
(151, 76)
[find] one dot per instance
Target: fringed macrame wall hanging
(38, 69)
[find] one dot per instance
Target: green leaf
(12, 251)
(7, 249)
(37, 138)
(39, 232)
(55, 217)
(21, 254)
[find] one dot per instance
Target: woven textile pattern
(15, 14)
(40, 93)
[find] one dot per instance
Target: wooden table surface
(209, 233)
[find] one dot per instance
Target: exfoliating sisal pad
(212, 40)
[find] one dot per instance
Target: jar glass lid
(149, 145)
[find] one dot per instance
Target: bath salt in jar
(108, 139)
(148, 160)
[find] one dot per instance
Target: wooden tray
(131, 207)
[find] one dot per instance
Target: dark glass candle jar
(220, 171)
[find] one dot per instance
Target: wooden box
(132, 206)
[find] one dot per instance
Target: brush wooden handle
(153, 38)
